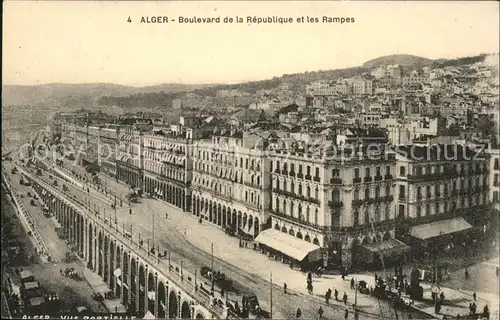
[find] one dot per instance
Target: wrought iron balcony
(336, 181)
(334, 204)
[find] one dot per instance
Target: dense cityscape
(369, 196)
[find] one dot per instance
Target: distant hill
(79, 95)
(401, 59)
(107, 94)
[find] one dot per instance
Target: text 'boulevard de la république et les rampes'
(248, 20)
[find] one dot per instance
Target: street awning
(293, 247)
(438, 228)
(117, 272)
(387, 247)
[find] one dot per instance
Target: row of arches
(139, 288)
(168, 192)
(129, 176)
(297, 234)
(225, 217)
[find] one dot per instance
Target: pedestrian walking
(346, 314)
(328, 296)
(166, 215)
(352, 283)
(320, 312)
(497, 271)
(284, 288)
(298, 314)
(343, 275)
(336, 294)
(344, 298)
(356, 314)
(486, 312)
(474, 296)
(466, 274)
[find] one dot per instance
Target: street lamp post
(212, 273)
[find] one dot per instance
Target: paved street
(73, 293)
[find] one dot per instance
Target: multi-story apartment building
(334, 198)
(230, 182)
(129, 157)
(68, 132)
(362, 86)
(92, 144)
(168, 167)
(493, 159)
(441, 190)
(108, 144)
(80, 143)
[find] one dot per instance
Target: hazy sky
(79, 42)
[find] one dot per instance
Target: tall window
(402, 171)
(356, 173)
(316, 216)
(402, 192)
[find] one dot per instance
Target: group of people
(298, 314)
(328, 296)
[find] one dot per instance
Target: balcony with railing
(335, 204)
(296, 220)
(433, 176)
(300, 175)
(336, 180)
(308, 177)
(292, 173)
(296, 196)
(317, 179)
(368, 179)
(252, 185)
(356, 180)
(388, 177)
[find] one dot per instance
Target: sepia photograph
(308, 160)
